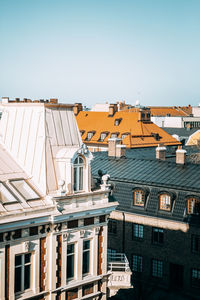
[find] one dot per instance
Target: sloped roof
(194, 138)
(173, 111)
(142, 134)
(148, 171)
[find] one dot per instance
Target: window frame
(73, 256)
(114, 133)
(117, 121)
(159, 232)
(84, 253)
(138, 229)
(92, 134)
(29, 185)
(163, 198)
(78, 174)
(23, 273)
(191, 209)
(195, 281)
(195, 243)
(138, 193)
(155, 268)
(138, 263)
(106, 133)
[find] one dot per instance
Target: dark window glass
(86, 257)
(112, 226)
(27, 275)
(157, 268)
(195, 243)
(33, 230)
(157, 236)
(138, 231)
(102, 219)
(70, 261)
(72, 224)
(18, 277)
(88, 221)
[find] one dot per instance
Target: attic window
(24, 189)
(103, 135)
(114, 135)
(138, 197)
(125, 135)
(82, 132)
(117, 122)
(193, 205)
(90, 134)
(5, 195)
(165, 202)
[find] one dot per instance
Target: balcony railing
(118, 262)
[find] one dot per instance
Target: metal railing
(118, 262)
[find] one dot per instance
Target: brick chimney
(77, 108)
(161, 152)
(180, 156)
(112, 109)
(115, 147)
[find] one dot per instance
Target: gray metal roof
(148, 170)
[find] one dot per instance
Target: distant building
(134, 128)
(157, 221)
(53, 223)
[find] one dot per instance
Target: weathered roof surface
(173, 111)
(148, 171)
(142, 134)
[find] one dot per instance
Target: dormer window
(114, 135)
(90, 135)
(193, 205)
(117, 122)
(78, 174)
(138, 197)
(124, 135)
(82, 132)
(103, 135)
(165, 202)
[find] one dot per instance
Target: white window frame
(85, 251)
(79, 168)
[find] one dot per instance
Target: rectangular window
(87, 289)
(72, 224)
(70, 261)
(86, 257)
(137, 263)
(157, 236)
(72, 294)
(195, 243)
(157, 268)
(88, 221)
(22, 272)
(24, 189)
(112, 226)
(138, 231)
(196, 278)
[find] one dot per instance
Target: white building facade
(53, 224)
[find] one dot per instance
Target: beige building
(53, 224)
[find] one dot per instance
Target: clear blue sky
(101, 50)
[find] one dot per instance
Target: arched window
(193, 205)
(138, 197)
(78, 174)
(165, 202)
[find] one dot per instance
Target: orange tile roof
(173, 111)
(142, 134)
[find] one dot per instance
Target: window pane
(18, 275)
(86, 262)
(75, 179)
(5, 195)
(27, 273)
(24, 189)
(70, 266)
(86, 245)
(18, 260)
(27, 258)
(70, 248)
(80, 178)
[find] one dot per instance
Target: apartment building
(157, 221)
(53, 222)
(133, 127)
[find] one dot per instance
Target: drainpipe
(123, 233)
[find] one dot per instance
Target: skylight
(5, 195)
(24, 189)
